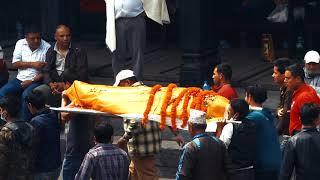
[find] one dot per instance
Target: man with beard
(312, 70)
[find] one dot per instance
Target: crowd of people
(247, 147)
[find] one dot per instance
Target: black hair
(296, 71)
(240, 106)
(36, 99)
(103, 133)
(258, 93)
(309, 113)
(69, 76)
(226, 70)
(282, 64)
(11, 103)
(32, 29)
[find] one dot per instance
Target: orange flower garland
(150, 103)
(173, 114)
(164, 106)
(184, 116)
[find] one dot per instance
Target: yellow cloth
(133, 100)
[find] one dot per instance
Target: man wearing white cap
(205, 156)
(143, 143)
(312, 70)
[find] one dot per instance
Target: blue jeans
(53, 175)
(71, 166)
(14, 87)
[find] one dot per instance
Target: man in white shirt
(130, 29)
(29, 58)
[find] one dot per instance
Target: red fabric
(226, 90)
(304, 94)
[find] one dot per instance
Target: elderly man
(205, 156)
(59, 58)
(312, 70)
(29, 58)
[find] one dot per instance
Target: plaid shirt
(143, 141)
(104, 161)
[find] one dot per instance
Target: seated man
(29, 59)
(59, 58)
(222, 75)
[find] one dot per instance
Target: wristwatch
(32, 80)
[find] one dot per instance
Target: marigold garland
(163, 112)
(153, 91)
(184, 115)
(173, 113)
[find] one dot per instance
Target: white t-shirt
(23, 53)
(226, 134)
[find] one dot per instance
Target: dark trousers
(14, 87)
(71, 166)
(131, 37)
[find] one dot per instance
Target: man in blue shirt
(47, 127)
(268, 155)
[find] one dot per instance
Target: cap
(124, 74)
(197, 117)
(312, 56)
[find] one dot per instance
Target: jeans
(14, 87)
(71, 166)
(53, 175)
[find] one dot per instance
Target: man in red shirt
(302, 93)
(222, 75)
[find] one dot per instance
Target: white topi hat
(124, 74)
(197, 117)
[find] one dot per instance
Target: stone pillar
(197, 39)
(50, 17)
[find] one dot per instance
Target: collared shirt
(203, 158)
(61, 59)
(23, 53)
(304, 94)
(104, 161)
(143, 141)
(128, 8)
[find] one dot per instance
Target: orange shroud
(134, 100)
